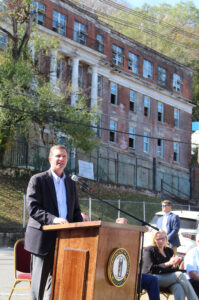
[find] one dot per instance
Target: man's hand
(60, 221)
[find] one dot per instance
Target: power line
(147, 18)
(60, 119)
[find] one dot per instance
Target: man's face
(166, 208)
(58, 161)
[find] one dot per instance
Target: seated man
(148, 281)
(191, 263)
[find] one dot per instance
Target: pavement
(7, 278)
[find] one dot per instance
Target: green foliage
(29, 104)
(170, 30)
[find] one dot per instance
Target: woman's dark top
(153, 261)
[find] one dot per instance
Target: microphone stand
(87, 191)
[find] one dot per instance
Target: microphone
(81, 182)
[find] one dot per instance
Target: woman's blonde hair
(155, 233)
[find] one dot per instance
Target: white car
(189, 227)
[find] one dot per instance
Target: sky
(139, 3)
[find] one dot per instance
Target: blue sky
(138, 3)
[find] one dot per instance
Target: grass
(13, 190)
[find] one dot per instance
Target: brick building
(146, 97)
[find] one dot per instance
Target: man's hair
(57, 147)
(167, 202)
(121, 221)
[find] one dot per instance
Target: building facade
(146, 97)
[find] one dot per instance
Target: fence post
(144, 211)
(154, 174)
(24, 211)
(118, 213)
(90, 208)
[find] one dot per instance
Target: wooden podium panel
(81, 260)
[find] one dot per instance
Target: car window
(184, 223)
(188, 223)
(155, 219)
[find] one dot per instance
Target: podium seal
(118, 267)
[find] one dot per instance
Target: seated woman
(159, 260)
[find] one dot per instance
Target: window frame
(162, 76)
(146, 142)
(132, 137)
(3, 41)
(100, 86)
(100, 43)
(133, 63)
(147, 69)
(176, 152)
(40, 12)
(147, 106)
(177, 83)
(160, 112)
(160, 148)
(176, 112)
(114, 96)
(57, 24)
(112, 131)
(117, 55)
(80, 33)
(132, 101)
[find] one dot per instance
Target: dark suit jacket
(173, 226)
(42, 208)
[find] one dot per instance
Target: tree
(170, 30)
(27, 100)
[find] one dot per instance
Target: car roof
(186, 214)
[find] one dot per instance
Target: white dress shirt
(60, 189)
(164, 222)
(191, 260)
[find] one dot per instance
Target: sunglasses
(164, 205)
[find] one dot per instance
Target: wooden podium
(82, 260)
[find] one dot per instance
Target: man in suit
(51, 199)
(170, 223)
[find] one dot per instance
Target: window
(132, 138)
(99, 86)
(176, 118)
(3, 5)
(147, 69)
(177, 82)
(39, 10)
(133, 63)
(146, 142)
(132, 101)
(117, 56)
(162, 76)
(37, 60)
(113, 93)
(100, 43)
(147, 104)
(60, 68)
(160, 147)
(80, 33)
(80, 77)
(59, 23)
(3, 42)
(113, 128)
(99, 126)
(160, 112)
(175, 151)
